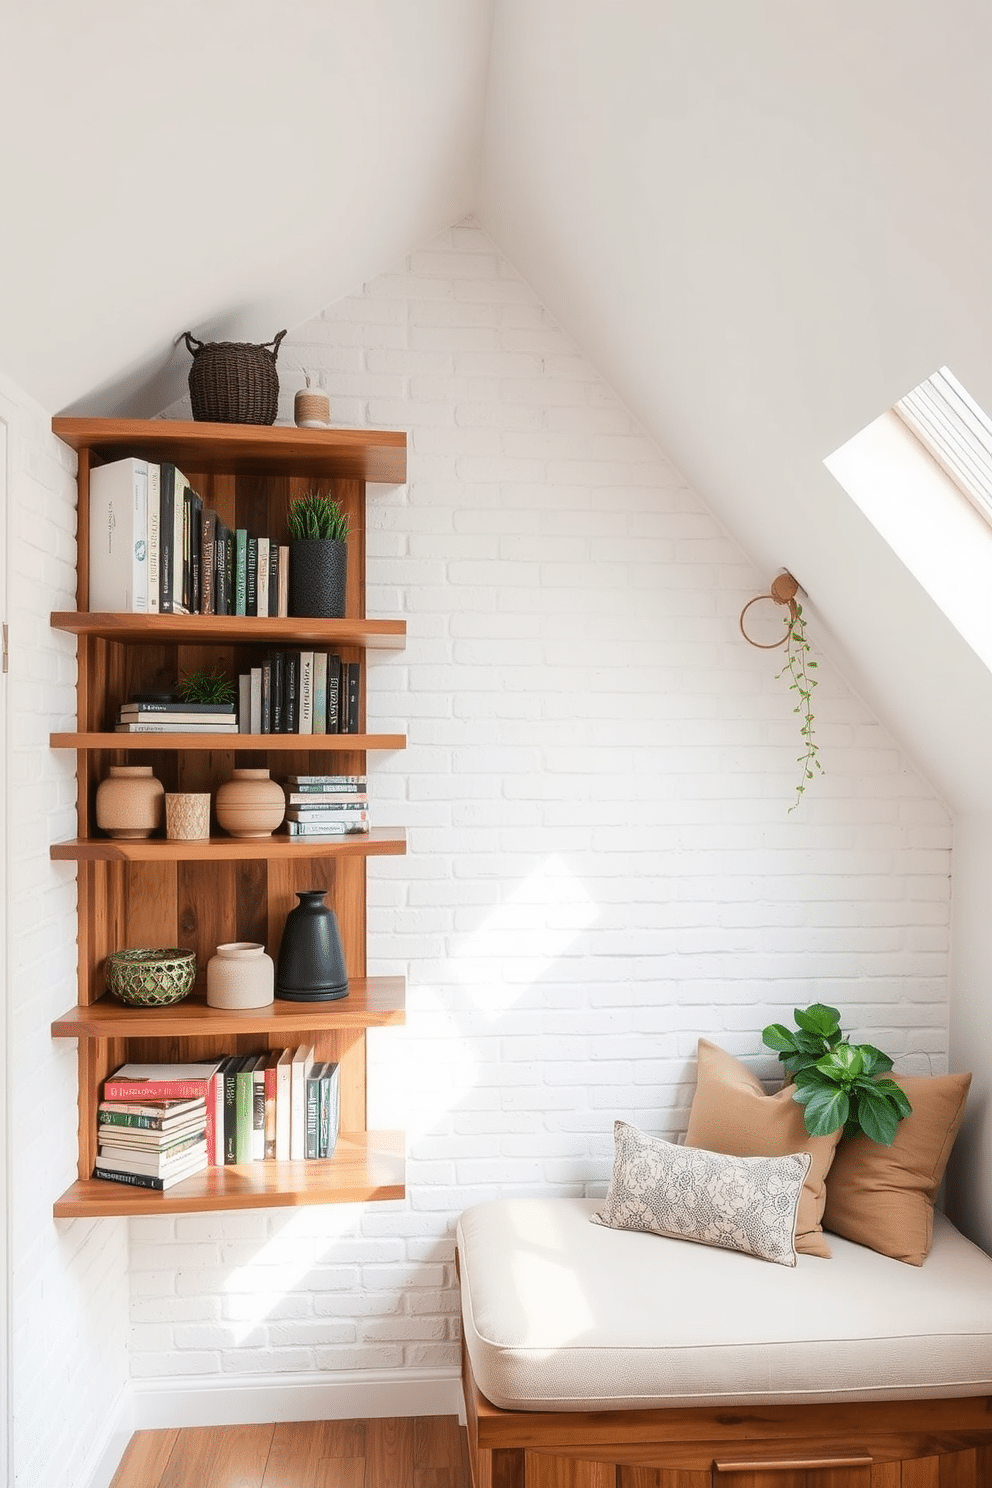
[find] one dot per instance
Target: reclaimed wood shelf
(233, 743)
(244, 449)
(378, 842)
(199, 895)
(280, 630)
(372, 1002)
(367, 1165)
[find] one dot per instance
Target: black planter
(318, 572)
(311, 965)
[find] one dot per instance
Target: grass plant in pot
(318, 556)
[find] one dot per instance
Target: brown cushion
(883, 1197)
(731, 1113)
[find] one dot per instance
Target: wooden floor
(397, 1452)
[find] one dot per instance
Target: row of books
(156, 549)
(301, 692)
(160, 1123)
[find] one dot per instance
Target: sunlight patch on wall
(521, 938)
(278, 1268)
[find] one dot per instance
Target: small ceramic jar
(240, 975)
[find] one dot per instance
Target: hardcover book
(333, 694)
(118, 536)
(153, 528)
(262, 580)
(354, 697)
(306, 693)
(167, 537)
(278, 692)
(299, 1069)
(208, 561)
(240, 571)
(251, 575)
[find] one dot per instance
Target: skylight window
(958, 433)
(922, 475)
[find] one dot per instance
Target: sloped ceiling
(228, 166)
(764, 221)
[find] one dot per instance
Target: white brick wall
(602, 865)
(68, 1280)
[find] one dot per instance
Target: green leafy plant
(838, 1084)
(799, 667)
(206, 687)
(316, 516)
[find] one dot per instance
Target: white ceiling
(763, 220)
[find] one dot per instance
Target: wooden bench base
(878, 1444)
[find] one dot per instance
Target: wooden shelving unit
(201, 894)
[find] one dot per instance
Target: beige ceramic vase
(250, 804)
(239, 975)
(130, 802)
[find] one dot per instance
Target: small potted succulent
(318, 556)
(211, 685)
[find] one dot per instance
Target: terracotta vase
(250, 804)
(240, 975)
(311, 966)
(130, 802)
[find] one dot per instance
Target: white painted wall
(68, 1280)
(602, 865)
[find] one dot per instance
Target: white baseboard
(148, 1405)
(330, 1397)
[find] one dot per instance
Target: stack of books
(326, 805)
(282, 1105)
(141, 717)
(156, 549)
(151, 1143)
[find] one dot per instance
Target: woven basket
(233, 382)
(154, 976)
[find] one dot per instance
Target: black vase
(311, 965)
(318, 572)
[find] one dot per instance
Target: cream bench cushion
(563, 1315)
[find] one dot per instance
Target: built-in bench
(599, 1358)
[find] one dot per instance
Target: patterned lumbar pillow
(738, 1203)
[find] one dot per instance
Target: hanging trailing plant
(799, 667)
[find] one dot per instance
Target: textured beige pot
(239, 975)
(187, 816)
(250, 804)
(130, 802)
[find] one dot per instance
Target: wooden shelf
(372, 1002)
(249, 449)
(239, 630)
(233, 743)
(200, 895)
(379, 842)
(365, 1166)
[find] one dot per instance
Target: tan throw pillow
(883, 1197)
(731, 1113)
(737, 1203)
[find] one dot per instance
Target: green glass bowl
(151, 976)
